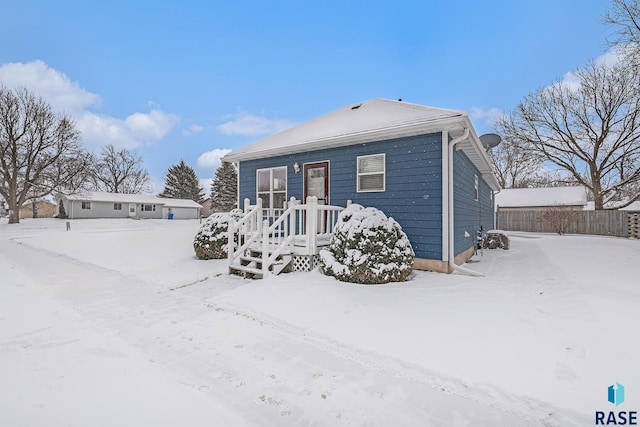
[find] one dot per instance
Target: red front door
(316, 181)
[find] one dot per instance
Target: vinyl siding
(413, 195)
(469, 215)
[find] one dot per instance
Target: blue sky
(188, 80)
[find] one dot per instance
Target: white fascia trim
(374, 135)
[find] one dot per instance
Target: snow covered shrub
(496, 239)
(367, 247)
(211, 240)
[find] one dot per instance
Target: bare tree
(40, 151)
(590, 128)
(119, 172)
(559, 219)
(625, 16)
(517, 167)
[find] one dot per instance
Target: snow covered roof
(374, 120)
(97, 196)
(539, 197)
(635, 207)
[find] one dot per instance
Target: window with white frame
(475, 190)
(117, 206)
(271, 186)
(371, 173)
(148, 208)
(86, 205)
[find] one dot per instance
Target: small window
(117, 206)
(148, 208)
(475, 190)
(86, 205)
(371, 173)
(272, 187)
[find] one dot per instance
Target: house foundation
(440, 266)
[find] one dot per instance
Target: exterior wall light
(296, 167)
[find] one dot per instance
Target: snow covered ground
(115, 323)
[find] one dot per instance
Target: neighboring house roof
(374, 120)
(635, 206)
(97, 196)
(542, 197)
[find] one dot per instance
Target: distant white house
(519, 199)
(92, 204)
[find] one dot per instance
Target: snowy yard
(115, 323)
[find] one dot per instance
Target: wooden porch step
(245, 270)
(247, 258)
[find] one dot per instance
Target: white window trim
(271, 192)
(85, 205)
(383, 172)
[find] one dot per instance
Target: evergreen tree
(182, 183)
(224, 188)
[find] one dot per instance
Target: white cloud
(247, 124)
(131, 132)
(59, 91)
(488, 116)
(67, 96)
(608, 59)
(211, 159)
(192, 129)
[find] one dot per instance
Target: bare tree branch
(591, 129)
(39, 151)
(119, 172)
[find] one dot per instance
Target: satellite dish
(490, 140)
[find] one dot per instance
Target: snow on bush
(211, 239)
(367, 247)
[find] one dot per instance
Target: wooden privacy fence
(605, 223)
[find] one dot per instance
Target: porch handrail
(246, 228)
(310, 220)
(279, 235)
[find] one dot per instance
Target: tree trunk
(12, 203)
(14, 212)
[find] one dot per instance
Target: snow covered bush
(367, 247)
(211, 239)
(496, 239)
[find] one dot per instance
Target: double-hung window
(86, 205)
(371, 173)
(272, 187)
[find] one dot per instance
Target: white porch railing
(301, 229)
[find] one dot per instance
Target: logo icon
(616, 394)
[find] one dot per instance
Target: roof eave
(412, 129)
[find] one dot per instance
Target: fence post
(292, 218)
(265, 247)
(312, 224)
(231, 247)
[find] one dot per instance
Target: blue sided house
(425, 167)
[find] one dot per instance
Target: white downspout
(450, 203)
